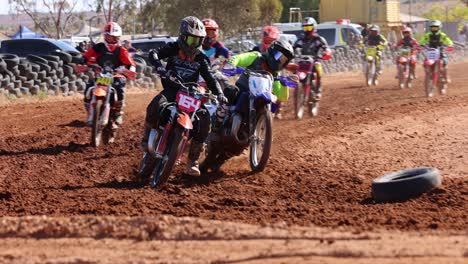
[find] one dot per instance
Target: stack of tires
(50, 74)
(145, 74)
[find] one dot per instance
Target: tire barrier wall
(54, 74)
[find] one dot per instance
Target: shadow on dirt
(186, 181)
(75, 123)
(51, 150)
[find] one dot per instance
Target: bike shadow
(206, 179)
(51, 150)
(75, 123)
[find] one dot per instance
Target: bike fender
(185, 121)
(100, 91)
(370, 58)
(402, 60)
(429, 62)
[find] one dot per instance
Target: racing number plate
(187, 103)
(371, 51)
(104, 80)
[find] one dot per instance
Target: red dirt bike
(433, 66)
(167, 142)
(404, 61)
(102, 94)
(308, 81)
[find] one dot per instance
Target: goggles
(434, 28)
(279, 56)
(211, 33)
(193, 41)
(111, 39)
(308, 28)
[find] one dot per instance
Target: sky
(5, 7)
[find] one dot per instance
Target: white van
(337, 33)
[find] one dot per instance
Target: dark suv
(24, 47)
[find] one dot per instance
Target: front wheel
(428, 84)
(401, 76)
(299, 101)
(165, 164)
(146, 166)
(260, 145)
(96, 130)
(370, 71)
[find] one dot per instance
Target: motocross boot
(89, 117)
(144, 139)
(194, 154)
(117, 119)
(278, 114)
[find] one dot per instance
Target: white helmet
(112, 29)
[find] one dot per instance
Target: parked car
(146, 44)
(42, 46)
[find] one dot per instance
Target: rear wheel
(165, 164)
(96, 131)
(261, 144)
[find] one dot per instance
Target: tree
(55, 20)
(232, 16)
(459, 13)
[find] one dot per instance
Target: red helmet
(270, 34)
(407, 30)
(112, 33)
(211, 32)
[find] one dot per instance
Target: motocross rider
(376, 39)
(216, 52)
(110, 54)
(312, 43)
(276, 57)
(436, 39)
(185, 58)
(269, 34)
(409, 42)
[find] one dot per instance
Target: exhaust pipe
(236, 124)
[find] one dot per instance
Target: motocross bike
(167, 141)
(433, 67)
(370, 67)
(247, 123)
(404, 61)
(309, 72)
(102, 95)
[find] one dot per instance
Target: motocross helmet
(191, 34)
(112, 33)
(278, 55)
(374, 30)
(309, 26)
(211, 32)
(435, 26)
(270, 34)
(406, 32)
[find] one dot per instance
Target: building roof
(406, 18)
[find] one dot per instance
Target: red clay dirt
(319, 172)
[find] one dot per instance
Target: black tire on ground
(77, 59)
(41, 75)
(44, 66)
(11, 60)
(17, 83)
(24, 69)
(3, 66)
(60, 73)
(35, 67)
(68, 70)
(53, 64)
(72, 78)
(34, 90)
(24, 90)
(36, 59)
(65, 57)
(15, 91)
(28, 84)
(64, 89)
(22, 78)
(405, 184)
(64, 80)
(50, 57)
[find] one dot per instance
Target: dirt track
(319, 174)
